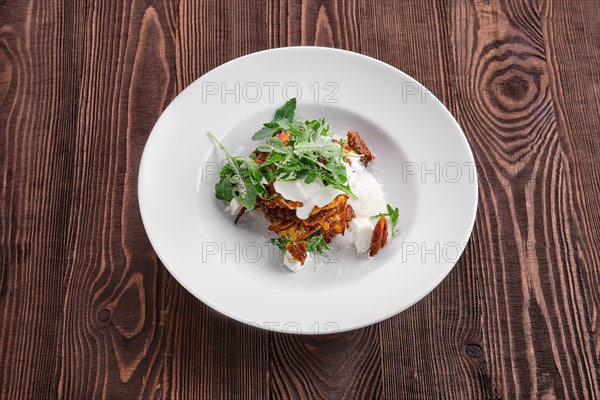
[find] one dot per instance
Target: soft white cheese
(292, 264)
(354, 165)
(312, 195)
(362, 232)
(234, 206)
(370, 202)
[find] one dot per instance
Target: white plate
(423, 159)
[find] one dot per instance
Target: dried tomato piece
(380, 234)
(356, 143)
(298, 250)
(284, 137)
(261, 156)
(350, 214)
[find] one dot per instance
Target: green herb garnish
(240, 177)
(311, 154)
(283, 116)
(316, 243)
(394, 214)
(281, 242)
(286, 113)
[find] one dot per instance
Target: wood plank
(572, 40)
(337, 366)
(314, 23)
(111, 335)
(110, 305)
(535, 330)
(36, 160)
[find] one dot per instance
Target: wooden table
(87, 309)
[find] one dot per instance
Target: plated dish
(310, 185)
(422, 158)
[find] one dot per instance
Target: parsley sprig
(394, 214)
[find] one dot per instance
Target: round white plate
(423, 161)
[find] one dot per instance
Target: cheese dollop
(362, 232)
(370, 202)
(371, 199)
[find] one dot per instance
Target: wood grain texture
(110, 334)
(575, 72)
(536, 328)
(37, 170)
(87, 309)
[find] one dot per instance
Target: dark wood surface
(88, 311)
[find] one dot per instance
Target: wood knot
(515, 88)
(129, 307)
(512, 84)
(474, 350)
(104, 315)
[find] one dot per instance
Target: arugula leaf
(394, 214)
(274, 145)
(223, 189)
(287, 110)
(323, 147)
(311, 176)
(255, 177)
(268, 130)
(283, 117)
(241, 179)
